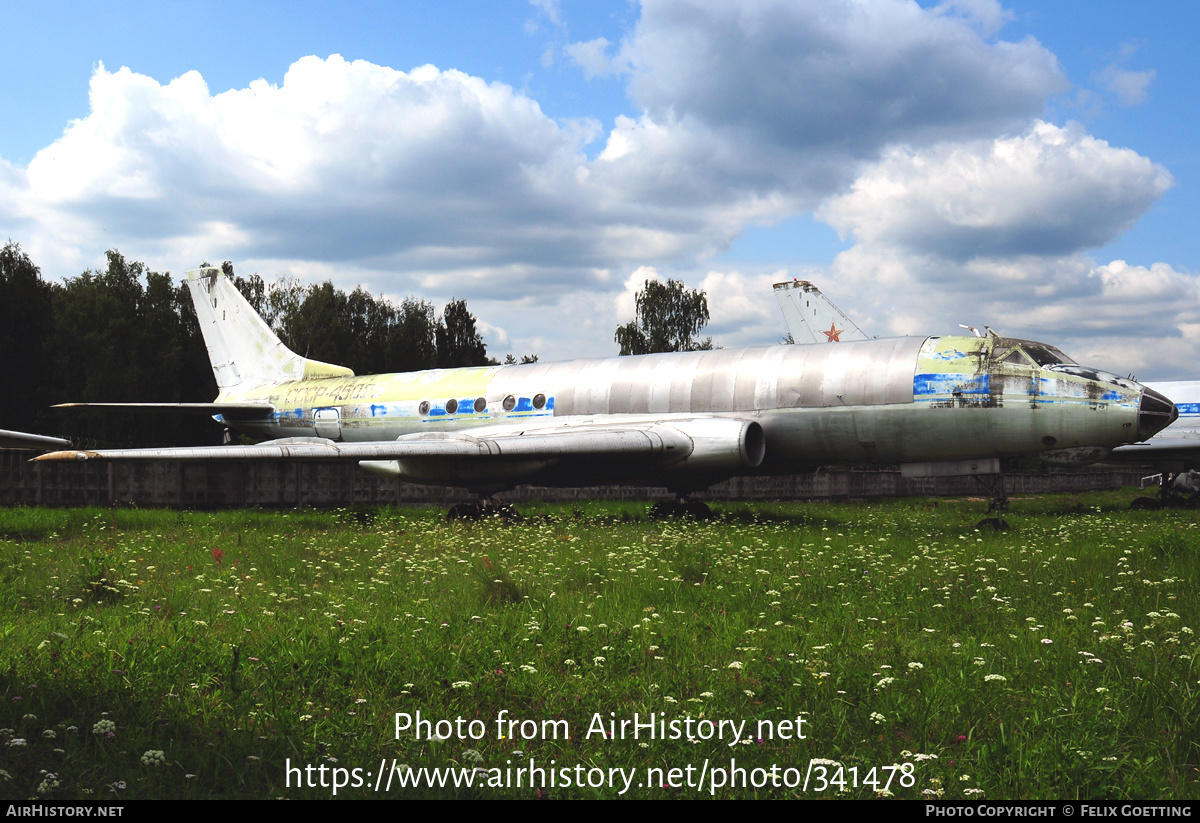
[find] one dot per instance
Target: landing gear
(994, 483)
(680, 508)
(486, 507)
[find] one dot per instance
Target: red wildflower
(218, 556)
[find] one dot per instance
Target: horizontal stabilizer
(230, 411)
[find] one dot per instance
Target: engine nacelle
(690, 451)
(724, 446)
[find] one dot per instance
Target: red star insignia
(834, 334)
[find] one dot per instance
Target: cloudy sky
(1030, 166)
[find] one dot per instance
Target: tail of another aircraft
(242, 349)
(807, 313)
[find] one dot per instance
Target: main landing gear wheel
(478, 511)
(997, 523)
(691, 509)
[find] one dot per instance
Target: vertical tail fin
(242, 349)
(806, 312)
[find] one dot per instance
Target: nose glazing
(1155, 413)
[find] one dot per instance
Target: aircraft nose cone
(1155, 413)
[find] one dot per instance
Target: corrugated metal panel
(868, 373)
(766, 380)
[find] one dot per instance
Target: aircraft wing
(22, 440)
(506, 455)
(1157, 450)
(590, 441)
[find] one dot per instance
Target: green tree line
(128, 334)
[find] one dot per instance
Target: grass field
(807, 650)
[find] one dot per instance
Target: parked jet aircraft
(952, 405)
(806, 312)
(1172, 452)
(22, 440)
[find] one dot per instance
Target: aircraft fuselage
(877, 401)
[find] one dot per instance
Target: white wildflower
(153, 757)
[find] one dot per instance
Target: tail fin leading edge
(242, 349)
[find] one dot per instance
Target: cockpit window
(1062, 358)
(1047, 355)
(1016, 357)
(1027, 353)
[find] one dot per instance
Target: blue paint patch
(378, 410)
(437, 412)
(1112, 396)
(953, 354)
(1188, 409)
(524, 404)
(943, 384)
(550, 404)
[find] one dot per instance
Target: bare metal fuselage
(891, 401)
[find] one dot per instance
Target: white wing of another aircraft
(1174, 453)
(23, 440)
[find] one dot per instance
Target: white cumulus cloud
(913, 130)
(1050, 190)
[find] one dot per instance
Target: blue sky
(1026, 165)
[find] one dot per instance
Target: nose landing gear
(485, 507)
(994, 483)
(679, 508)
